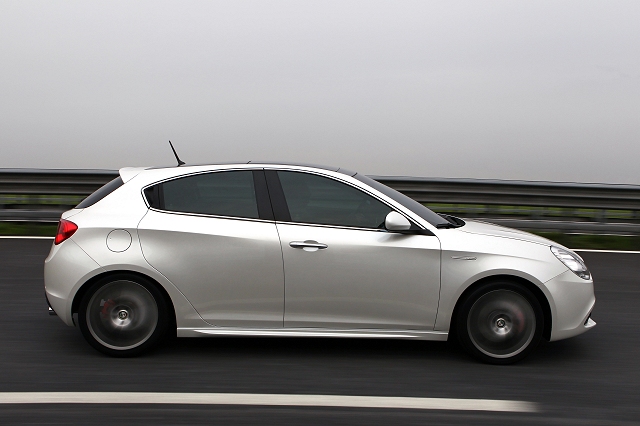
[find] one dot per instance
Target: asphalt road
(590, 379)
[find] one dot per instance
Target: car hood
(485, 228)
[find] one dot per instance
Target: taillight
(66, 229)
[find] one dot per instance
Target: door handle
(308, 244)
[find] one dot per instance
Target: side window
(317, 199)
(218, 193)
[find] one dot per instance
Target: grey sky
(489, 89)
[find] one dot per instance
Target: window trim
(211, 216)
(279, 202)
(276, 193)
(259, 186)
(261, 189)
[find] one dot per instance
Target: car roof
(314, 166)
(267, 163)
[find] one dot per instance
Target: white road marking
(9, 237)
(608, 251)
(268, 400)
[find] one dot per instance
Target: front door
(343, 270)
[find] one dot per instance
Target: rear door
(213, 235)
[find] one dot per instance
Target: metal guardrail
(544, 206)
(35, 195)
(31, 195)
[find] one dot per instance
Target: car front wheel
(500, 323)
(123, 315)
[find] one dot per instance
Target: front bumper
(51, 311)
(572, 301)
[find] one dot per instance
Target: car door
(213, 235)
(342, 268)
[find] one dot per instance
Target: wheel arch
(75, 305)
(537, 292)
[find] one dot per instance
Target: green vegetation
(35, 199)
(28, 229)
(576, 241)
(537, 212)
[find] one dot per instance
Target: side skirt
(313, 332)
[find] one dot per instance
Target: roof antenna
(180, 162)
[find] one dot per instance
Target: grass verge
(28, 229)
(575, 241)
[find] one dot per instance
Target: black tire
(500, 323)
(123, 315)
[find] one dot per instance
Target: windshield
(428, 215)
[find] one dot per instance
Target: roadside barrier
(40, 196)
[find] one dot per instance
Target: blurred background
(521, 113)
(542, 90)
(520, 91)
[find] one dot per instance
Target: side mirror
(396, 222)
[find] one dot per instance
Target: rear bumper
(66, 268)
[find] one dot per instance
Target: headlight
(572, 261)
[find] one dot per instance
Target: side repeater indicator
(463, 257)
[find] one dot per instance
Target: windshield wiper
(445, 226)
(452, 222)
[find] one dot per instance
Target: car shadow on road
(561, 352)
(308, 347)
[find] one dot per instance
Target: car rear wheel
(123, 315)
(500, 323)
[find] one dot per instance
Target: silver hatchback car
(261, 249)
